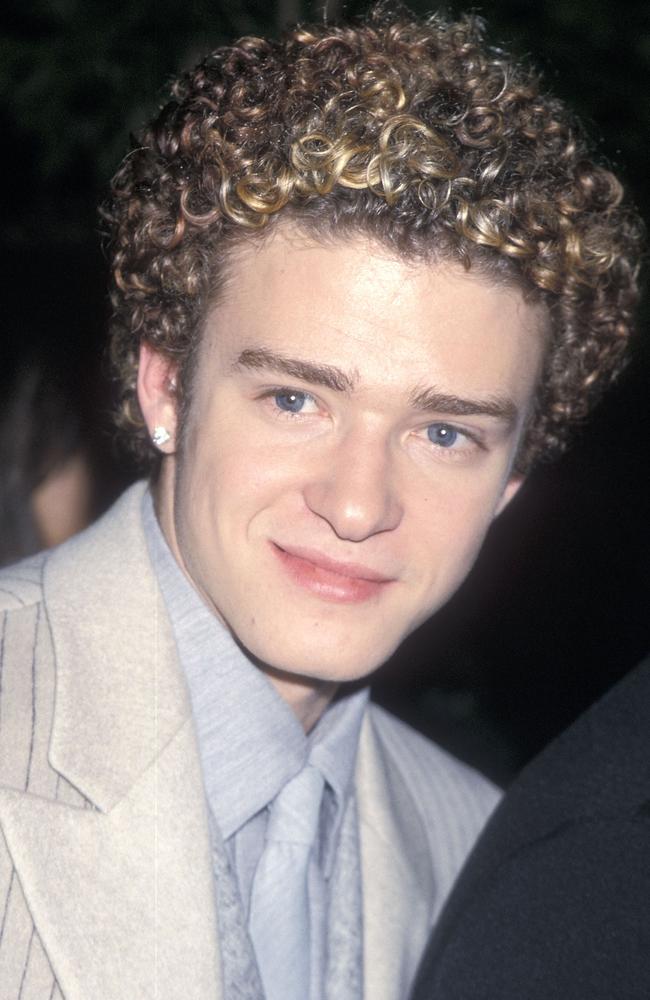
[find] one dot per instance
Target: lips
(331, 579)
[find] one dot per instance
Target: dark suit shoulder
(556, 895)
(599, 766)
(566, 917)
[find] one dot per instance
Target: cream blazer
(106, 881)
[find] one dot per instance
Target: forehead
(380, 318)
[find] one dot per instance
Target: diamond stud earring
(160, 436)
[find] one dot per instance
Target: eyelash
(473, 440)
(283, 390)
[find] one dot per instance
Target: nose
(354, 489)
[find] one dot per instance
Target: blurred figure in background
(48, 474)
(58, 469)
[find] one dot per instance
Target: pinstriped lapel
(123, 902)
(397, 896)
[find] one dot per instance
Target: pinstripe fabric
(453, 800)
(26, 707)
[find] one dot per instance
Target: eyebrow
(259, 358)
(428, 400)
(432, 400)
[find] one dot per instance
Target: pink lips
(343, 582)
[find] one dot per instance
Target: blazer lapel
(120, 695)
(121, 894)
(397, 894)
(123, 901)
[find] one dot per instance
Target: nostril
(354, 511)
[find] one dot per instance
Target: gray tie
(279, 912)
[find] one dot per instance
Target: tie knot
(295, 811)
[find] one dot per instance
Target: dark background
(557, 606)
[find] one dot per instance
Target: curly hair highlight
(412, 132)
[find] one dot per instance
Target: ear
(512, 487)
(157, 396)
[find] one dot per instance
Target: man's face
(350, 439)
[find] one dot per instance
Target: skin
(62, 503)
(351, 437)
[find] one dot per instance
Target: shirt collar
(250, 742)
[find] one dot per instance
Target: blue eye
(443, 435)
(291, 402)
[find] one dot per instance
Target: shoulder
(82, 556)
(600, 766)
(21, 621)
(568, 917)
(425, 765)
(562, 873)
(598, 769)
(24, 670)
(61, 582)
(453, 800)
(20, 584)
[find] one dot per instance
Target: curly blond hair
(413, 132)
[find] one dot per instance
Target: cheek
(457, 502)
(451, 527)
(226, 480)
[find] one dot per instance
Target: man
(362, 278)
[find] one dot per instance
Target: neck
(306, 697)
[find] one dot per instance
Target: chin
(331, 666)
